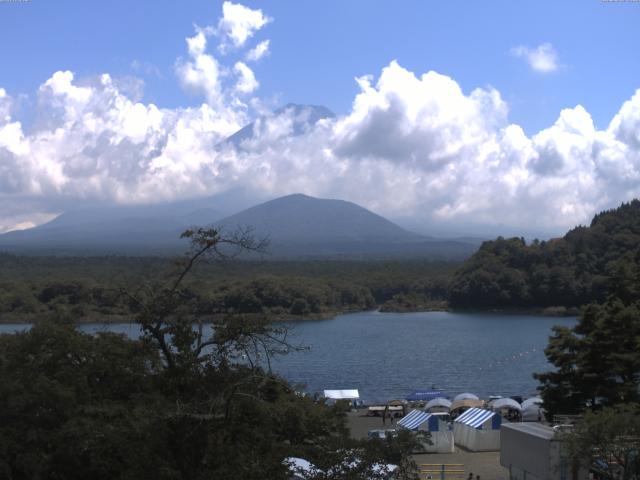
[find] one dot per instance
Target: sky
(449, 115)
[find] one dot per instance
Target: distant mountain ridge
(138, 229)
(298, 226)
(302, 226)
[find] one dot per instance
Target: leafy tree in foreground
(178, 403)
(598, 361)
(609, 440)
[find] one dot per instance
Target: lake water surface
(388, 355)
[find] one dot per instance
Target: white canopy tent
(342, 394)
(478, 430)
(437, 431)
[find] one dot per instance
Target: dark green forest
(178, 403)
(568, 272)
(596, 378)
(90, 288)
(598, 360)
(559, 275)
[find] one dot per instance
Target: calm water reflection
(387, 355)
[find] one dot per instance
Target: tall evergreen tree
(598, 361)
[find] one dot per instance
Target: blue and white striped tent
(477, 418)
(440, 435)
(416, 419)
(478, 430)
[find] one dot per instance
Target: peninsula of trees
(571, 271)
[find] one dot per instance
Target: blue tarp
(424, 395)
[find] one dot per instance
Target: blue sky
(317, 48)
(148, 131)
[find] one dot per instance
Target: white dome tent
(465, 396)
(529, 402)
(508, 407)
(438, 405)
(506, 403)
(532, 410)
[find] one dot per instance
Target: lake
(388, 355)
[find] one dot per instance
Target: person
(384, 417)
(470, 476)
(477, 477)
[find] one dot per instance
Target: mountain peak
(305, 219)
(298, 225)
(304, 117)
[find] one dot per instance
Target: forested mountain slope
(570, 271)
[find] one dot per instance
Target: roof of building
(537, 429)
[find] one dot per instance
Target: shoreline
(112, 319)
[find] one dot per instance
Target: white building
(531, 451)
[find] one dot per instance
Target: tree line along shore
(91, 288)
(554, 277)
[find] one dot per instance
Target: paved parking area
(485, 464)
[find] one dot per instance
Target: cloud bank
(413, 145)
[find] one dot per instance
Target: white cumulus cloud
(412, 145)
(201, 72)
(259, 51)
(239, 23)
(543, 58)
(247, 82)
(5, 106)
